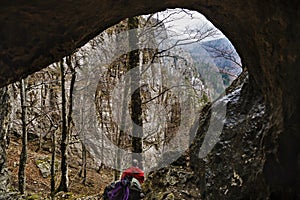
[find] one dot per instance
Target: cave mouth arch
(69, 29)
(36, 34)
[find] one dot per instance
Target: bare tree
(136, 101)
(52, 105)
(64, 135)
(23, 156)
(53, 160)
(5, 122)
(71, 91)
(225, 52)
(83, 165)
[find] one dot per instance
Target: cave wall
(265, 33)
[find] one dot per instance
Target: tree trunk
(64, 135)
(23, 156)
(52, 101)
(4, 140)
(53, 164)
(121, 136)
(83, 170)
(43, 106)
(136, 102)
(72, 84)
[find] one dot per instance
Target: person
(129, 187)
(135, 172)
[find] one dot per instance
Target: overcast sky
(180, 20)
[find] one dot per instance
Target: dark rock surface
(265, 33)
(234, 168)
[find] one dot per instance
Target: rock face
(265, 34)
(171, 183)
(234, 168)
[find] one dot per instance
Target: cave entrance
(182, 61)
(261, 43)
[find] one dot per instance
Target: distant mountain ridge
(231, 63)
(206, 52)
